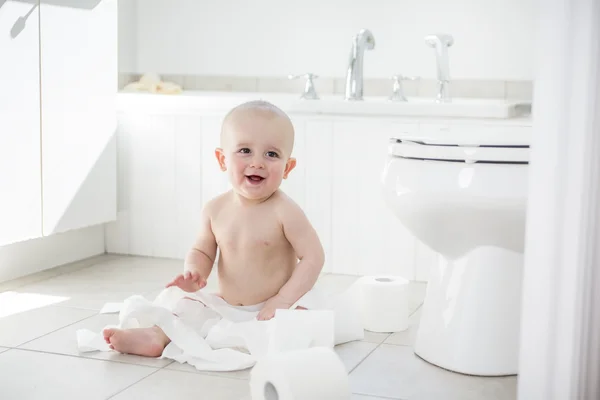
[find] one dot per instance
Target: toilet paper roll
(384, 303)
(311, 374)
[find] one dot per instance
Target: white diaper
(207, 332)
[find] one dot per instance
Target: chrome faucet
(310, 92)
(364, 40)
(440, 42)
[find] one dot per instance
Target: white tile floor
(39, 359)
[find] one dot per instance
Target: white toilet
(464, 195)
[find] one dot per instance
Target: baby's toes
(108, 333)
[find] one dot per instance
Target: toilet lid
(443, 150)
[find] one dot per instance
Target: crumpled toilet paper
(212, 335)
(152, 83)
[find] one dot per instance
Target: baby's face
(256, 152)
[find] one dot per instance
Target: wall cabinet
(57, 117)
(79, 75)
(20, 165)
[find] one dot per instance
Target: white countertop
(211, 101)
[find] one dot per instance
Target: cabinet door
(367, 238)
(20, 182)
(79, 86)
(295, 185)
(318, 181)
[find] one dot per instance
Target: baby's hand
(274, 303)
(189, 282)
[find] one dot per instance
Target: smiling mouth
(254, 179)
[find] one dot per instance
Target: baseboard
(36, 255)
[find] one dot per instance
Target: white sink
(331, 104)
(418, 107)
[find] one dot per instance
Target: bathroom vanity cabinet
(167, 171)
(20, 163)
(57, 117)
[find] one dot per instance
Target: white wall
(493, 39)
(24, 258)
(127, 29)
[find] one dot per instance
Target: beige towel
(153, 84)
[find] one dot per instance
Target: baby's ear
(289, 166)
(220, 158)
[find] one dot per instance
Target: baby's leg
(149, 342)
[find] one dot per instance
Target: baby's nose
(257, 162)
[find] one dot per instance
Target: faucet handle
(310, 92)
(401, 77)
(398, 92)
(308, 75)
(442, 39)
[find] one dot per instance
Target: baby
(269, 251)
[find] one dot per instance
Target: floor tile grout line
(94, 358)
(56, 330)
(399, 345)
(361, 361)
(209, 373)
(364, 358)
(203, 373)
(133, 384)
(54, 353)
(378, 397)
(165, 366)
(376, 347)
(78, 308)
(197, 371)
(85, 358)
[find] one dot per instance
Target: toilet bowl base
(471, 314)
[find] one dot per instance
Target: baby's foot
(149, 342)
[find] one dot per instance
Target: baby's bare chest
(249, 232)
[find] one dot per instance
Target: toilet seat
(468, 151)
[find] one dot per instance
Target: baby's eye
(245, 150)
(272, 154)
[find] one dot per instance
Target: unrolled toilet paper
(384, 303)
(212, 335)
(311, 374)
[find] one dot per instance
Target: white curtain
(560, 329)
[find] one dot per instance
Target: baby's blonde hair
(258, 105)
(265, 108)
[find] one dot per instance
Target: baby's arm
(200, 259)
(305, 241)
